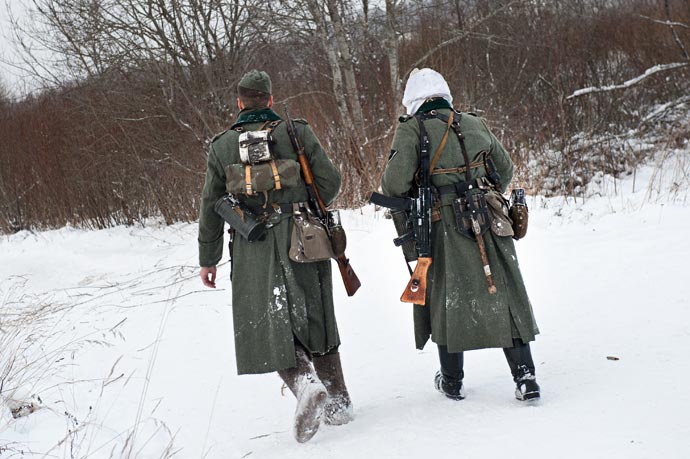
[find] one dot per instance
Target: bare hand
(208, 276)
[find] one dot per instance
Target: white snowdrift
(130, 355)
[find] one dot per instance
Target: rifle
(350, 279)
(419, 212)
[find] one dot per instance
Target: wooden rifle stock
(350, 279)
(415, 292)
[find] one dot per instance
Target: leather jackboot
(338, 409)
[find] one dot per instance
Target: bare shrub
(123, 137)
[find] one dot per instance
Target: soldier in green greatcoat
(460, 314)
(283, 312)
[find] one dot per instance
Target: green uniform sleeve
(502, 161)
(210, 224)
(403, 161)
(326, 175)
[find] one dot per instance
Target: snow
(129, 354)
(633, 81)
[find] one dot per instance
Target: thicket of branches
(142, 87)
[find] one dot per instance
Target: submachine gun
(330, 219)
(414, 215)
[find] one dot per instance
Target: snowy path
(607, 278)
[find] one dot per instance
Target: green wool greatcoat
(274, 299)
(459, 311)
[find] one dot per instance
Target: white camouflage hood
(422, 85)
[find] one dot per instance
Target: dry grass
(41, 344)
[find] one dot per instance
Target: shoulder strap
(442, 145)
(461, 138)
(424, 143)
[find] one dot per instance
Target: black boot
(311, 396)
(338, 408)
(519, 359)
(526, 385)
(448, 380)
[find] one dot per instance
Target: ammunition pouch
(309, 241)
(250, 179)
(468, 208)
(479, 198)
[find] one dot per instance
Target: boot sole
(307, 425)
(529, 396)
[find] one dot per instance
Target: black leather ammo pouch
(471, 206)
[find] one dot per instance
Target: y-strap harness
(492, 178)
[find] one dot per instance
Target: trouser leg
(519, 357)
(451, 363)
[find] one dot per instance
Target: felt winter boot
(519, 359)
(310, 393)
(338, 409)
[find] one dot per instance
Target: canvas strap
(457, 170)
(248, 179)
(276, 177)
(442, 145)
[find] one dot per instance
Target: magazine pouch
(471, 205)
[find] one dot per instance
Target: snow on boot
(310, 393)
(527, 387)
(311, 400)
(452, 389)
(338, 410)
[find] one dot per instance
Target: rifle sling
(424, 166)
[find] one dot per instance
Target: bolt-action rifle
(350, 279)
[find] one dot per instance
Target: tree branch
(460, 36)
(649, 72)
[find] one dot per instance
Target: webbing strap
(276, 177)
(248, 179)
(442, 145)
(457, 170)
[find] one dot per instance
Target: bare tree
(193, 48)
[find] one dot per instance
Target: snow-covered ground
(125, 354)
